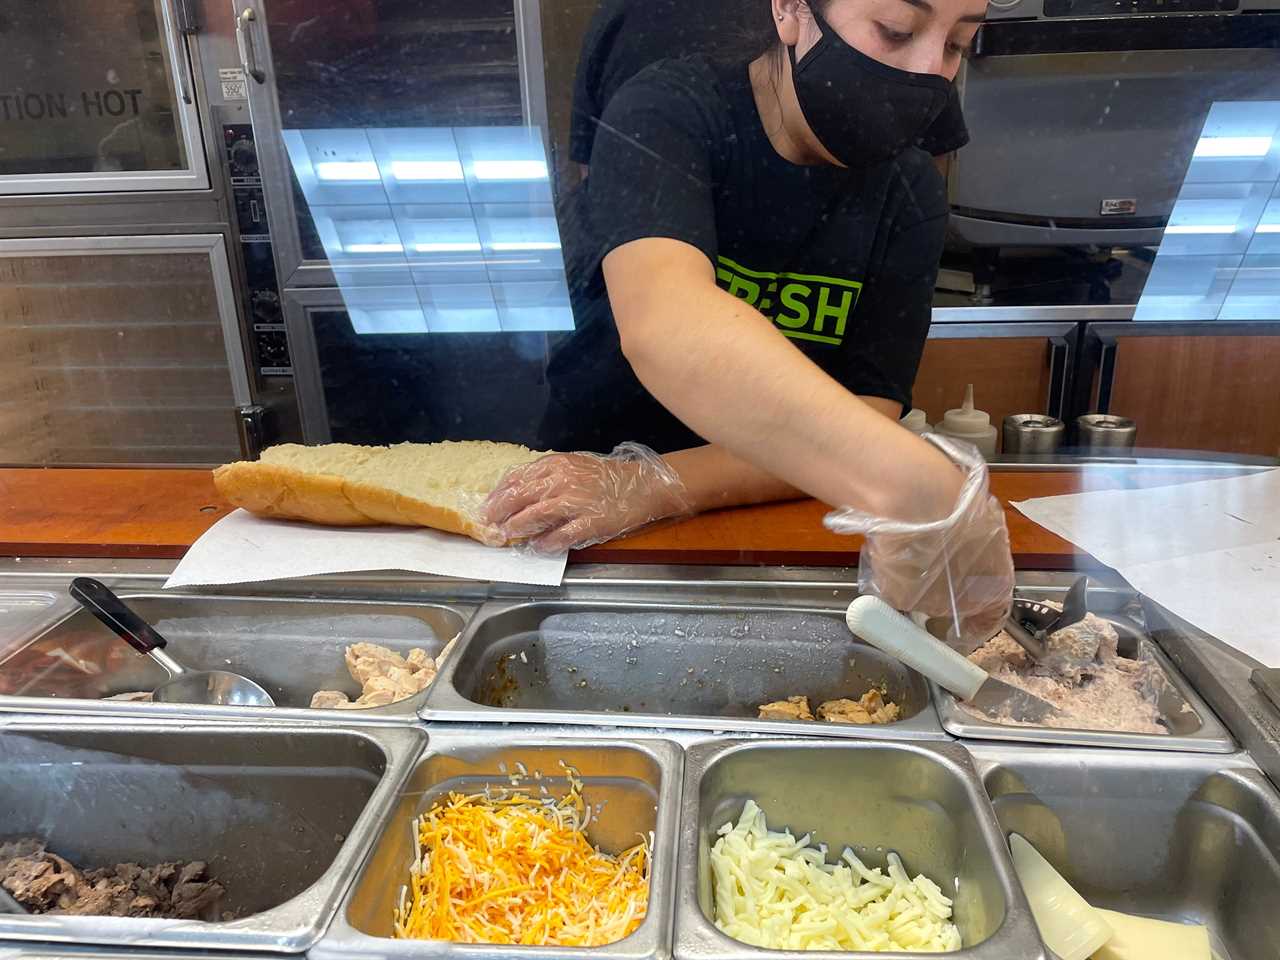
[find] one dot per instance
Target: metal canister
(1032, 433)
(1104, 432)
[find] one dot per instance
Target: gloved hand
(567, 501)
(959, 567)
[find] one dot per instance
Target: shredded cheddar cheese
(518, 869)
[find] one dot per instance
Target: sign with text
(87, 88)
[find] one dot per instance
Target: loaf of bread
(440, 485)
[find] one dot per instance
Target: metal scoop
(214, 687)
(1031, 623)
(886, 629)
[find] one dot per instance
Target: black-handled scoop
(216, 687)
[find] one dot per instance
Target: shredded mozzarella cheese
(519, 870)
(776, 892)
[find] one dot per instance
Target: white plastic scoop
(886, 629)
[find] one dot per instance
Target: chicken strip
(792, 708)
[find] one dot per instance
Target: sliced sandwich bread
(439, 485)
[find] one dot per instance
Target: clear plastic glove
(567, 501)
(959, 567)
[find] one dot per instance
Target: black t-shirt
(842, 261)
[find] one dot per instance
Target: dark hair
(758, 35)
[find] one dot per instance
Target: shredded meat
(1102, 692)
(44, 882)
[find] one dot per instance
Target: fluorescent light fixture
(1268, 228)
(373, 248)
(510, 169)
(523, 246)
(437, 171)
(440, 247)
(348, 170)
(1233, 147)
(1206, 228)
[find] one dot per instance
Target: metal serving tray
(292, 647)
(1193, 726)
(283, 816)
(633, 787)
(1175, 836)
(665, 665)
(923, 801)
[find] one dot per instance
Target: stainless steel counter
(1158, 831)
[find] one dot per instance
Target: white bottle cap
(966, 421)
(917, 421)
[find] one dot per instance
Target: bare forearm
(743, 387)
(715, 478)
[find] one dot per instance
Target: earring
(782, 16)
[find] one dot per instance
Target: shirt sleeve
(893, 314)
(653, 159)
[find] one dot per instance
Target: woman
(763, 242)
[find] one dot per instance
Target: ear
(788, 16)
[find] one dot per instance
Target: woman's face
(919, 36)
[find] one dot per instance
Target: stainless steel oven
(1084, 113)
(121, 290)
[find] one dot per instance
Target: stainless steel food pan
(1192, 724)
(283, 816)
(1175, 836)
(292, 647)
(923, 801)
(656, 665)
(633, 787)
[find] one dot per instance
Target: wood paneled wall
(1211, 392)
(1009, 375)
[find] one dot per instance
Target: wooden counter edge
(140, 513)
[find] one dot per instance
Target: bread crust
(285, 493)
(288, 494)
(388, 506)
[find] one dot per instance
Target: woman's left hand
(567, 501)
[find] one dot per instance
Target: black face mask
(861, 110)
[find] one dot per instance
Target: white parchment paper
(242, 548)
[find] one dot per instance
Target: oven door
(411, 72)
(1082, 130)
(99, 99)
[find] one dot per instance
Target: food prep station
(645, 682)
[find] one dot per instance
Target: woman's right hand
(959, 567)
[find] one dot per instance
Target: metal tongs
(1032, 622)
